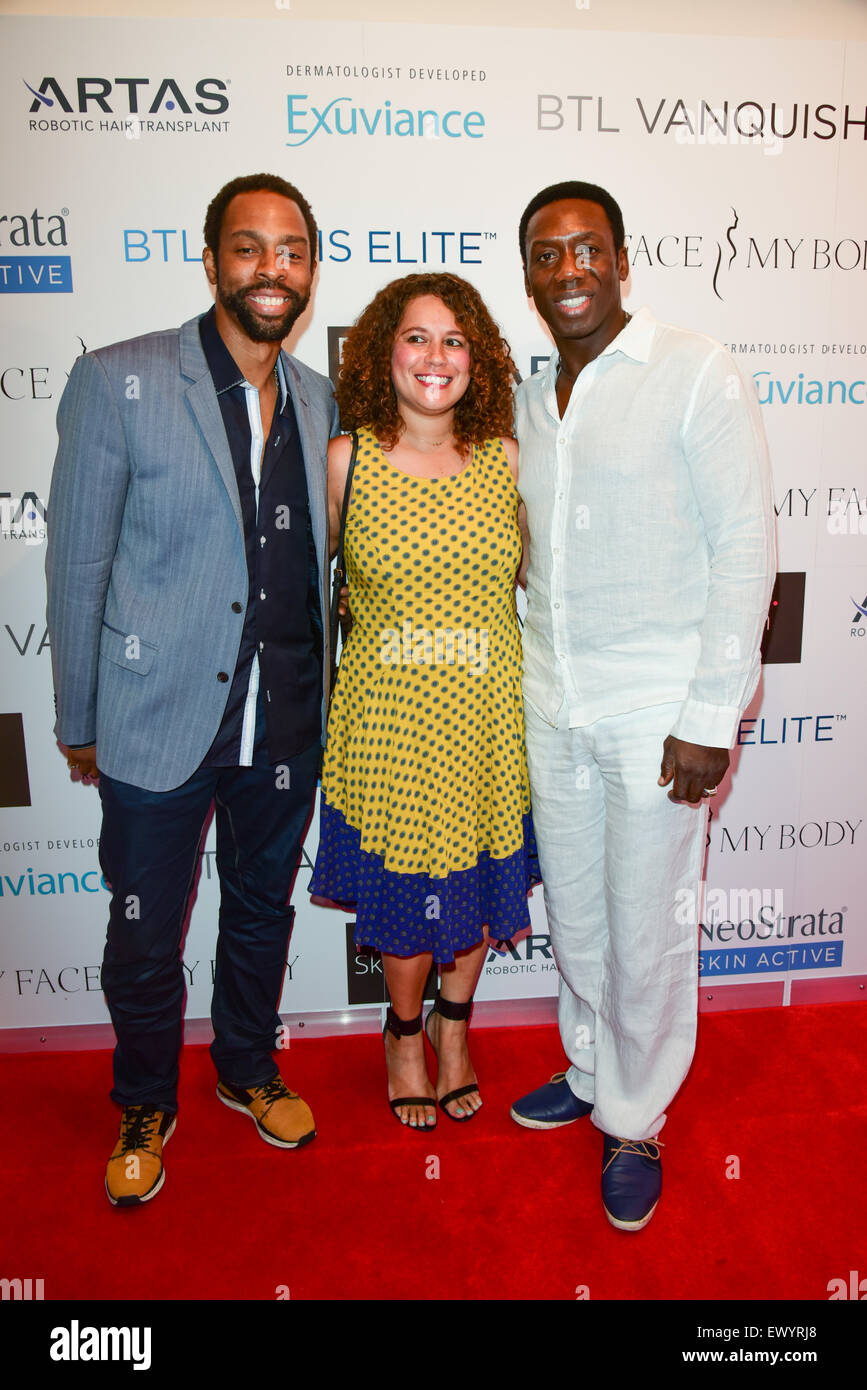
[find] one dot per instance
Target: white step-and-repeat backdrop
(739, 165)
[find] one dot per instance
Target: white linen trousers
(619, 862)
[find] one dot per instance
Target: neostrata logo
(340, 117)
(789, 941)
(129, 95)
(51, 274)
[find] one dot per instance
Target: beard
(258, 327)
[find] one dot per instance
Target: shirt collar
(634, 340)
(225, 372)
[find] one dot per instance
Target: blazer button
(237, 607)
(222, 676)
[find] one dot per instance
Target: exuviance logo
(341, 117)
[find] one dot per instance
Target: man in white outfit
(644, 471)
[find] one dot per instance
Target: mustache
(266, 285)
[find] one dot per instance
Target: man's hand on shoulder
(695, 770)
(82, 760)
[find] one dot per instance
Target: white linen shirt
(651, 526)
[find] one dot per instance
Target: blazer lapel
(314, 458)
(203, 403)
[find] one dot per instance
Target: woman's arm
(339, 453)
(511, 448)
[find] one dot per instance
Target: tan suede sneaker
(135, 1172)
(282, 1117)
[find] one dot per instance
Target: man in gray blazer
(187, 567)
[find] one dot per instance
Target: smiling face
(573, 271)
(262, 271)
(430, 361)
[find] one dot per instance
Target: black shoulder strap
(339, 578)
(343, 510)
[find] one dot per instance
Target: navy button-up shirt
(279, 666)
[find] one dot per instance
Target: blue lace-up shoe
(631, 1181)
(550, 1106)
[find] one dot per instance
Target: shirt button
(556, 550)
(222, 677)
(237, 607)
(261, 646)
(562, 656)
(261, 540)
(556, 605)
(262, 593)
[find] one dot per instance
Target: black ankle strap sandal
(450, 1009)
(456, 1013)
(406, 1028)
(401, 1027)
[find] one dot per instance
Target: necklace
(424, 446)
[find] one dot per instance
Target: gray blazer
(145, 552)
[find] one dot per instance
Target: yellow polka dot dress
(425, 810)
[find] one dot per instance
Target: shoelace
(275, 1089)
(138, 1127)
(641, 1147)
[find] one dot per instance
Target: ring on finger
(711, 791)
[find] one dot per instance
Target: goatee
(260, 328)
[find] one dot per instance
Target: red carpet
(514, 1213)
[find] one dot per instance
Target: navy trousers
(149, 850)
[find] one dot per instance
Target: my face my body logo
(736, 251)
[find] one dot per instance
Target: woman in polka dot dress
(425, 810)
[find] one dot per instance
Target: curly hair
(365, 392)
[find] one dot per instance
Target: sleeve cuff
(712, 726)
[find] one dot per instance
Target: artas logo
(127, 105)
(34, 274)
(22, 518)
(858, 620)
